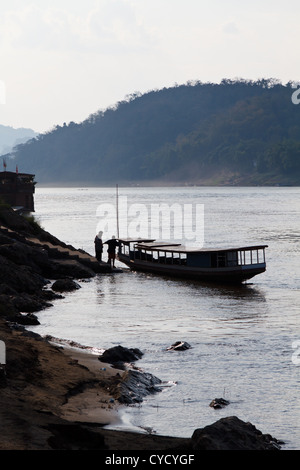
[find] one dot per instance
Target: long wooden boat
(223, 265)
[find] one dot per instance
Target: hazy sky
(62, 60)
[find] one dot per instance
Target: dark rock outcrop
(133, 386)
(179, 346)
(218, 403)
(20, 278)
(29, 319)
(65, 285)
(29, 257)
(231, 433)
(118, 355)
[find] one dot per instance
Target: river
(244, 340)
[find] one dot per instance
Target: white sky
(62, 60)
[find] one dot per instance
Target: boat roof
(153, 245)
(12, 174)
(136, 240)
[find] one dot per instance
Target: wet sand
(53, 397)
(93, 405)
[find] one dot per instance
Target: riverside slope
(54, 397)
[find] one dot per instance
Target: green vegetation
(236, 132)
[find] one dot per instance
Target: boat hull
(231, 275)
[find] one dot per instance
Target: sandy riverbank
(93, 404)
(58, 398)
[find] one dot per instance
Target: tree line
(178, 134)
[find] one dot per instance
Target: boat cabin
(17, 189)
(221, 263)
(166, 253)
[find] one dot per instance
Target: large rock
(28, 303)
(28, 319)
(134, 385)
(21, 278)
(231, 433)
(179, 346)
(218, 403)
(71, 268)
(118, 355)
(23, 254)
(65, 285)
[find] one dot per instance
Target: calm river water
(244, 340)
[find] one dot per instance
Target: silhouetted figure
(112, 245)
(98, 246)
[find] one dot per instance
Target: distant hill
(10, 137)
(235, 132)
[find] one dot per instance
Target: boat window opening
(232, 258)
(261, 256)
(169, 258)
(176, 258)
(243, 257)
(183, 258)
(149, 256)
(253, 256)
(221, 260)
(213, 260)
(144, 255)
(249, 257)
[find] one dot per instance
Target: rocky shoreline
(58, 396)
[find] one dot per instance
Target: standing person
(98, 246)
(112, 245)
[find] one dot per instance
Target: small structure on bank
(17, 189)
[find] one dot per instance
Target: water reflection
(107, 289)
(161, 303)
(247, 290)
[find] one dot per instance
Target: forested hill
(235, 132)
(9, 137)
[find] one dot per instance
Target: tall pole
(117, 208)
